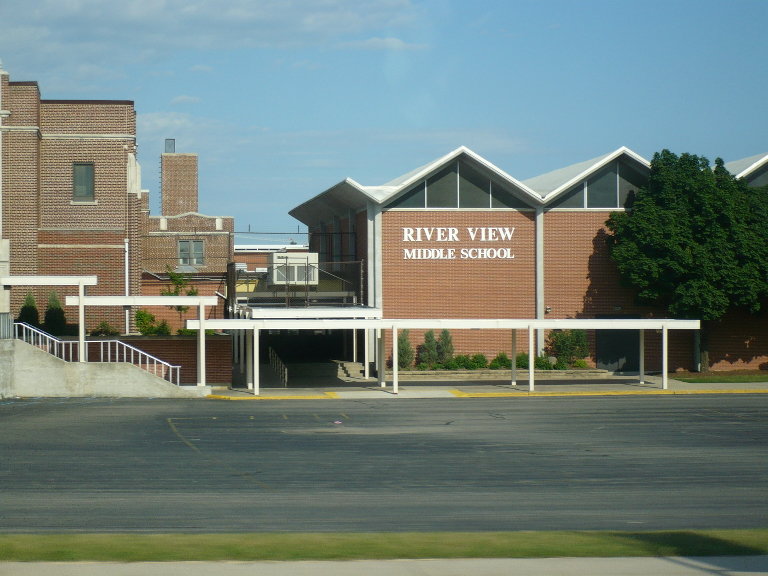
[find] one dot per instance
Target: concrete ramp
(28, 372)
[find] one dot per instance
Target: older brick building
(72, 204)
(182, 240)
(71, 198)
(461, 238)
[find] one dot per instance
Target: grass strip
(322, 546)
(732, 376)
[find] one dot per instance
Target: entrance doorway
(617, 350)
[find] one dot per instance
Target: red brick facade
(51, 231)
(578, 277)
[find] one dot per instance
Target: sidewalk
(670, 566)
(485, 384)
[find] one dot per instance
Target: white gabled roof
(349, 195)
(553, 184)
(745, 166)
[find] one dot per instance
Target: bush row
(565, 349)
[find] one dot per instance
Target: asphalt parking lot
(668, 462)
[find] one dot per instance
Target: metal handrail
(278, 366)
(109, 351)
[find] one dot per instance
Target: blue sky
(283, 98)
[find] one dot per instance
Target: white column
(514, 357)
(540, 288)
(642, 356)
(381, 365)
(366, 354)
(201, 346)
(354, 345)
(247, 359)
(256, 363)
(664, 362)
(242, 345)
(531, 358)
(394, 361)
(83, 355)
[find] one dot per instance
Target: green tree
(444, 348)
(28, 312)
(179, 286)
(55, 322)
(404, 350)
(694, 242)
(428, 350)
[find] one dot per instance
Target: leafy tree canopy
(695, 240)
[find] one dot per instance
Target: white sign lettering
(451, 234)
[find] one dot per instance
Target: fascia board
(583, 175)
(753, 167)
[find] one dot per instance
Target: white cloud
(384, 44)
(184, 99)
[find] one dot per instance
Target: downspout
(5, 250)
(127, 286)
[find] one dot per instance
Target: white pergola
(252, 327)
(198, 301)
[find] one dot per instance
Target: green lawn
(243, 547)
(736, 376)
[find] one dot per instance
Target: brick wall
(206, 286)
(178, 173)
(182, 350)
(461, 287)
(48, 232)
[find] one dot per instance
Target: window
(191, 252)
(474, 188)
(462, 185)
(601, 189)
(442, 189)
(83, 183)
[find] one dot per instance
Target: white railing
(278, 366)
(107, 351)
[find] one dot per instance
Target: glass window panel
(442, 189)
(183, 252)
(503, 198)
(630, 180)
(601, 189)
(572, 199)
(474, 188)
(414, 198)
(759, 177)
(83, 182)
(197, 246)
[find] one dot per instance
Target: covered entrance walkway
(248, 331)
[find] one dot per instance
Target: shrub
(104, 329)
(444, 348)
(55, 322)
(568, 345)
(580, 364)
(500, 362)
(522, 360)
(405, 355)
(28, 312)
(478, 362)
(147, 325)
(543, 363)
(460, 362)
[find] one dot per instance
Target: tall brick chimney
(178, 181)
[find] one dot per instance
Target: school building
(461, 238)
